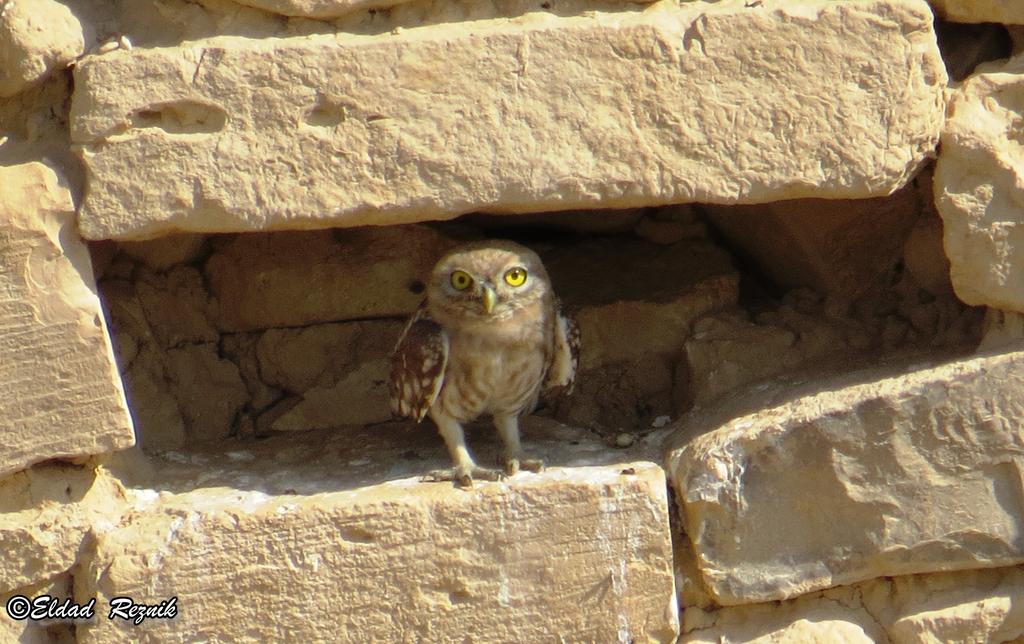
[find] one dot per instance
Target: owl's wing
(417, 366)
(565, 357)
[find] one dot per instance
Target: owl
(488, 340)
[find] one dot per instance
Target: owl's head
(487, 280)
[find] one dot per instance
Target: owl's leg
(465, 469)
(508, 427)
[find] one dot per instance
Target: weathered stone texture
(241, 134)
(978, 186)
(45, 514)
(911, 473)
(584, 552)
(302, 278)
(838, 247)
(975, 606)
(1008, 11)
(36, 37)
(61, 391)
(635, 310)
(338, 371)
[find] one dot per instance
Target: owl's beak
(489, 297)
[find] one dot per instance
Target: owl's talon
(463, 478)
(514, 464)
(511, 466)
(532, 465)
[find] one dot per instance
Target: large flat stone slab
(979, 186)
(611, 109)
(866, 476)
(61, 393)
(354, 547)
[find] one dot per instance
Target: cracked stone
(906, 468)
(348, 146)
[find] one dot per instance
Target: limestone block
(878, 473)
(36, 37)
(978, 191)
(833, 616)
(302, 278)
(837, 247)
(662, 110)
(45, 514)
(728, 350)
(209, 390)
(177, 306)
(977, 606)
(339, 371)
(971, 606)
(1008, 11)
(61, 391)
(583, 552)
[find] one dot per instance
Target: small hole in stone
(417, 287)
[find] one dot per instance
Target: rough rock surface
(348, 146)
(976, 606)
(36, 37)
(978, 186)
(1007, 11)
(635, 309)
(837, 247)
(301, 278)
(302, 529)
(61, 391)
(45, 514)
(908, 473)
(339, 372)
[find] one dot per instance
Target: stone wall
(788, 231)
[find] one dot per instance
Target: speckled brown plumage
(483, 344)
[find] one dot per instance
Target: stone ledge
(184, 138)
(888, 475)
(335, 526)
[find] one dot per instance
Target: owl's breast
(485, 376)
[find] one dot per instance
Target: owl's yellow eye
(515, 276)
(461, 280)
